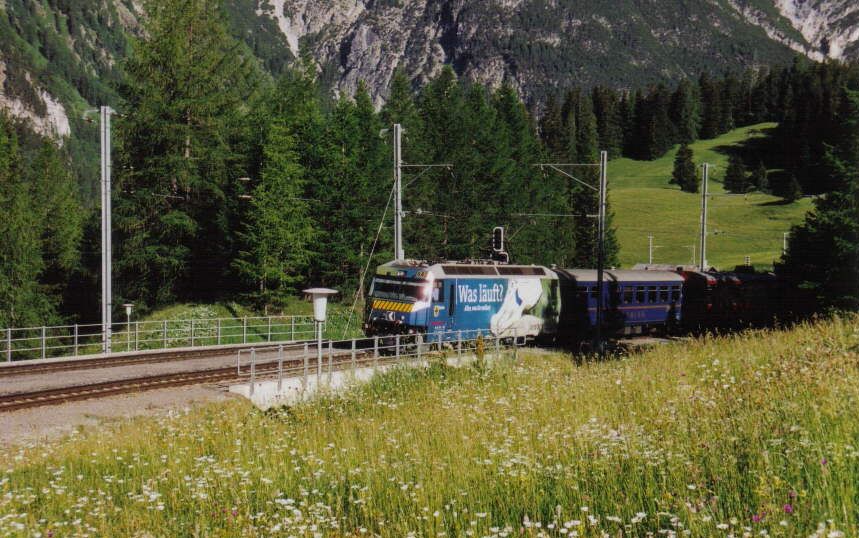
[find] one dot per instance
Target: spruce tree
(24, 302)
(711, 107)
(759, 178)
(185, 100)
(791, 191)
(278, 233)
(684, 170)
(685, 112)
(823, 252)
(735, 176)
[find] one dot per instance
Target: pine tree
(186, 92)
(791, 191)
(759, 178)
(552, 127)
(711, 107)
(24, 302)
(606, 106)
(685, 112)
(823, 252)
(735, 176)
(275, 242)
(684, 170)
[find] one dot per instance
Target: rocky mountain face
(57, 57)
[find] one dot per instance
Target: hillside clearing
(715, 436)
(645, 203)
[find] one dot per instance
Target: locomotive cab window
(438, 292)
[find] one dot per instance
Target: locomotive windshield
(403, 290)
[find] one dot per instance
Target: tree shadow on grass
(772, 203)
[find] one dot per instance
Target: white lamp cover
(320, 301)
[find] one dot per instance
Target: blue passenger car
(634, 302)
(438, 300)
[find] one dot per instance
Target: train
(441, 300)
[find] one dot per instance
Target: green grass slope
(645, 203)
(751, 435)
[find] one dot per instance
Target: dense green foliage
(824, 250)
(41, 250)
(202, 112)
(684, 173)
(179, 154)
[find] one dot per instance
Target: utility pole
(706, 174)
(650, 249)
(602, 191)
(106, 232)
(398, 193)
(601, 249)
(399, 252)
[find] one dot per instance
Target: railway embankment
(716, 436)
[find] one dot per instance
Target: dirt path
(43, 424)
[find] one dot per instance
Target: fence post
(44, 331)
(354, 362)
(440, 341)
(292, 329)
(76, 340)
(8, 345)
(219, 331)
(330, 360)
(420, 341)
(136, 335)
(279, 368)
(497, 347)
(397, 348)
(375, 351)
(459, 345)
(164, 327)
(245, 330)
(306, 363)
(268, 338)
(253, 370)
(192, 333)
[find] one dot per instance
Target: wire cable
(369, 261)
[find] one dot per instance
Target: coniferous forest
(229, 183)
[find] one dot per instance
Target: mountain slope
(645, 204)
(536, 45)
(58, 57)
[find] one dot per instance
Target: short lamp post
(128, 308)
(320, 305)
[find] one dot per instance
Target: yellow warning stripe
(396, 306)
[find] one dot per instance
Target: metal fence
(86, 339)
(307, 360)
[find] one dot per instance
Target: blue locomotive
(441, 299)
(516, 301)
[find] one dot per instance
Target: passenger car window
(651, 294)
(627, 294)
(663, 294)
(639, 294)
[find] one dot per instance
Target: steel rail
(41, 367)
(54, 396)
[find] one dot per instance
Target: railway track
(54, 396)
(40, 367)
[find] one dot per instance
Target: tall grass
(739, 436)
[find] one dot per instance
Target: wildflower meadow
(746, 435)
